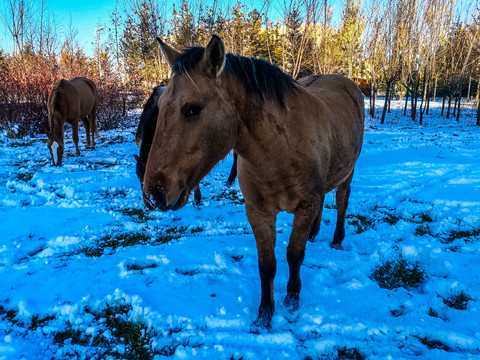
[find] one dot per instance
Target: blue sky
(85, 15)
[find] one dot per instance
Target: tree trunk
(373, 97)
(443, 104)
(407, 93)
(424, 88)
(469, 87)
(390, 100)
(428, 97)
(435, 91)
(385, 105)
(459, 100)
(478, 114)
(450, 96)
(414, 99)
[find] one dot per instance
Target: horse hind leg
(342, 197)
(86, 124)
(93, 124)
(316, 225)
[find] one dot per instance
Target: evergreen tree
(138, 46)
(183, 22)
(348, 39)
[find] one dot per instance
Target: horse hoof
(336, 246)
(292, 303)
(260, 326)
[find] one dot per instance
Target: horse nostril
(157, 197)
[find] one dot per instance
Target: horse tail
(93, 114)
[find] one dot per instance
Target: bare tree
(15, 17)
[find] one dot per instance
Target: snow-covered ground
(87, 273)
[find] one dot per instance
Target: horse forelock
(259, 77)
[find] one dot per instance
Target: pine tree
(348, 39)
(138, 46)
(183, 22)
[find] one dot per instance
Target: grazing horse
(144, 137)
(70, 101)
(296, 141)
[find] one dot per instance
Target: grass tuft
(458, 301)
(349, 353)
(230, 195)
(25, 177)
(114, 242)
(138, 215)
(361, 222)
(391, 219)
(470, 235)
(398, 273)
(40, 321)
(131, 239)
(422, 230)
(433, 344)
(140, 267)
(433, 313)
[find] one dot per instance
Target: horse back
(73, 99)
(341, 100)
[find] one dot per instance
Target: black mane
(257, 76)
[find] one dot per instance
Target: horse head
(195, 128)
(55, 139)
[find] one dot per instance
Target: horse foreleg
(305, 223)
(263, 226)
(342, 196)
(233, 171)
(86, 124)
(75, 136)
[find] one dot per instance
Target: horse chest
(271, 195)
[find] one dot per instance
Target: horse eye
(192, 110)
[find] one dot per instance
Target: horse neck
(258, 133)
(56, 128)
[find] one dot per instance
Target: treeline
(414, 49)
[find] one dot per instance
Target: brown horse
(70, 101)
(296, 141)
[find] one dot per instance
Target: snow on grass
(87, 272)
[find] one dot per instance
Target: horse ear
(170, 53)
(214, 56)
(137, 158)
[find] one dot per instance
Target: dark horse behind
(70, 101)
(144, 137)
(296, 141)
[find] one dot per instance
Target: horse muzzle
(155, 198)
